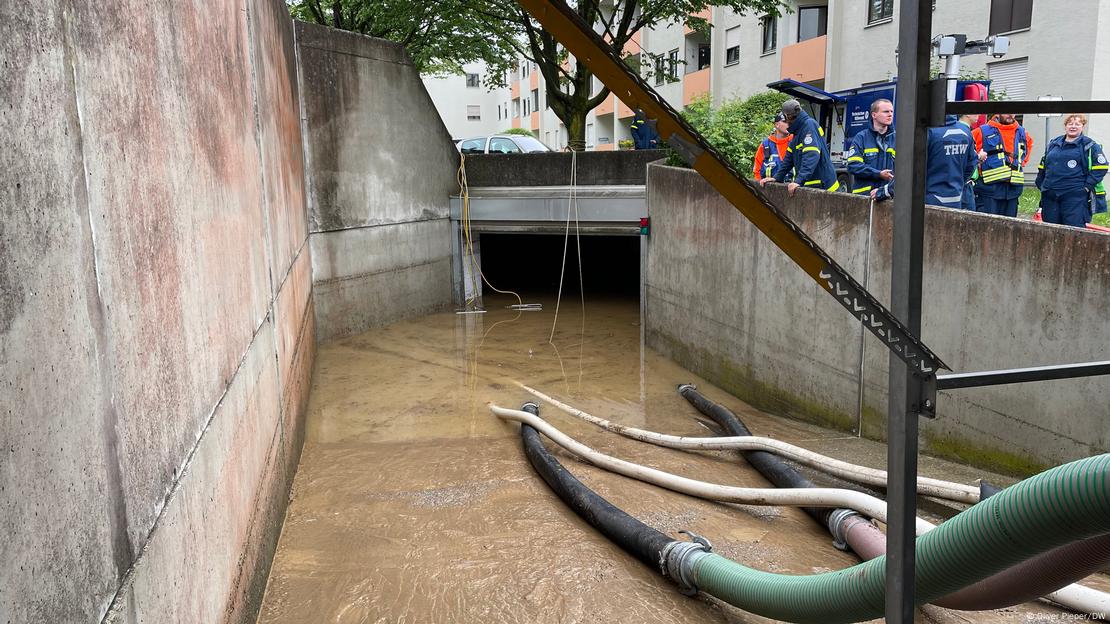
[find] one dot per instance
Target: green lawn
(1031, 198)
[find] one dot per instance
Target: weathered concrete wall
(625, 167)
(998, 293)
(381, 166)
(156, 327)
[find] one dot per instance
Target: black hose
(772, 467)
(635, 537)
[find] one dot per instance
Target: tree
(439, 36)
(442, 35)
(570, 90)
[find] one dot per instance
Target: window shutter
(1009, 76)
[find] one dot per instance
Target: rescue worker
(644, 135)
(1070, 176)
(772, 150)
(950, 161)
(870, 156)
(1003, 146)
(808, 156)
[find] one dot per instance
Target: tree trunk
(576, 130)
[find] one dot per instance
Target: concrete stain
(412, 503)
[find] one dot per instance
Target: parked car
(502, 144)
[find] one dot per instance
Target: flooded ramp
(413, 503)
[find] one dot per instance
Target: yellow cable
(469, 252)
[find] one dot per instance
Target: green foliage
(735, 128)
(520, 131)
(440, 37)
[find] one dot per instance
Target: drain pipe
(971, 546)
(1049, 572)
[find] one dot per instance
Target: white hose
(793, 497)
(1076, 597)
(851, 472)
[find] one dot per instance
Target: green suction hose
(1059, 506)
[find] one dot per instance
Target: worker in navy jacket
(644, 135)
(1004, 147)
(870, 156)
(1070, 175)
(808, 156)
(950, 162)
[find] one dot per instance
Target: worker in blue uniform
(1070, 176)
(870, 156)
(950, 162)
(808, 156)
(1003, 146)
(644, 135)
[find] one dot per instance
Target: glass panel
(770, 25)
(499, 145)
(812, 22)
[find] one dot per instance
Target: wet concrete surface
(413, 503)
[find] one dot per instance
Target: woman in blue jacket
(1070, 176)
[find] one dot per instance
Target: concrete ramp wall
(381, 167)
(999, 293)
(156, 318)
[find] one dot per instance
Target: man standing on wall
(870, 156)
(772, 150)
(1003, 146)
(808, 155)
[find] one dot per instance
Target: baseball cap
(779, 117)
(791, 108)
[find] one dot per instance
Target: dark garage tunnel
(529, 263)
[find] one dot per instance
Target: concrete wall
(381, 166)
(998, 293)
(156, 327)
(624, 167)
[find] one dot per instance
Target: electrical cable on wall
(468, 252)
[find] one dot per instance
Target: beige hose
(793, 497)
(851, 472)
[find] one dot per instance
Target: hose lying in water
(1049, 572)
(800, 497)
(971, 546)
(857, 474)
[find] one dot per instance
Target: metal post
(952, 74)
(907, 391)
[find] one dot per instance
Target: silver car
(502, 144)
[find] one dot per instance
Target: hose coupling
(531, 407)
(838, 527)
(677, 561)
(684, 387)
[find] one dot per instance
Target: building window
(473, 112)
(732, 46)
(527, 102)
(879, 10)
(471, 80)
(813, 22)
(498, 112)
(769, 24)
(516, 107)
(660, 72)
(535, 99)
(589, 135)
(672, 65)
(1010, 15)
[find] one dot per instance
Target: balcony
(707, 15)
(804, 61)
(606, 107)
(694, 84)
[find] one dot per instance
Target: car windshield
(529, 144)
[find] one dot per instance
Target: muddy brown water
(413, 503)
